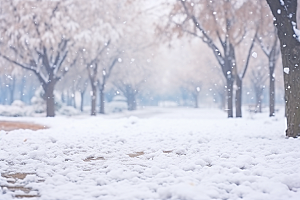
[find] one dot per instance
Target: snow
(297, 31)
(254, 55)
(154, 153)
(286, 70)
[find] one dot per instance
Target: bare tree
(239, 79)
(268, 41)
(258, 79)
(81, 86)
(269, 45)
(93, 73)
(37, 42)
(106, 72)
(131, 77)
(223, 23)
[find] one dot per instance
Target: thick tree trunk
(229, 98)
(272, 94)
(286, 21)
(292, 96)
(238, 97)
(50, 102)
(102, 101)
(94, 100)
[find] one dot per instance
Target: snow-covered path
(174, 154)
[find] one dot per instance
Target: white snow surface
(188, 154)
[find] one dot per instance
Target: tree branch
(249, 54)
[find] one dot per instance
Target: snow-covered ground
(155, 154)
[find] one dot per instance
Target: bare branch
(206, 38)
(249, 54)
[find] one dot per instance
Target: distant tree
(37, 36)
(258, 79)
(285, 20)
(130, 79)
(99, 43)
(81, 86)
(218, 23)
(268, 41)
(190, 79)
(272, 52)
(106, 72)
(137, 46)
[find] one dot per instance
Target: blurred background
(98, 57)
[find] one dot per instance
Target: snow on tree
(222, 24)
(38, 36)
(102, 27)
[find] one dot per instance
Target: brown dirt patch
(93, 158)
(26, 196)
(12, 178)
(136, 154)
(10, 126)
(16, 175)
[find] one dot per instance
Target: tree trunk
(1, 92)
(94, 100)
(272, 94)
(50, 103)
(222, 98)
(292, 97)
(22, 88)
(131, 102)
(82, 101)
(196, 98)
(12, 89)
(229, 98)
(62, 97)
(68, 98)
(258, 102)
(285, 21)
(74, 100)
(102, 101)
(238, 97)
